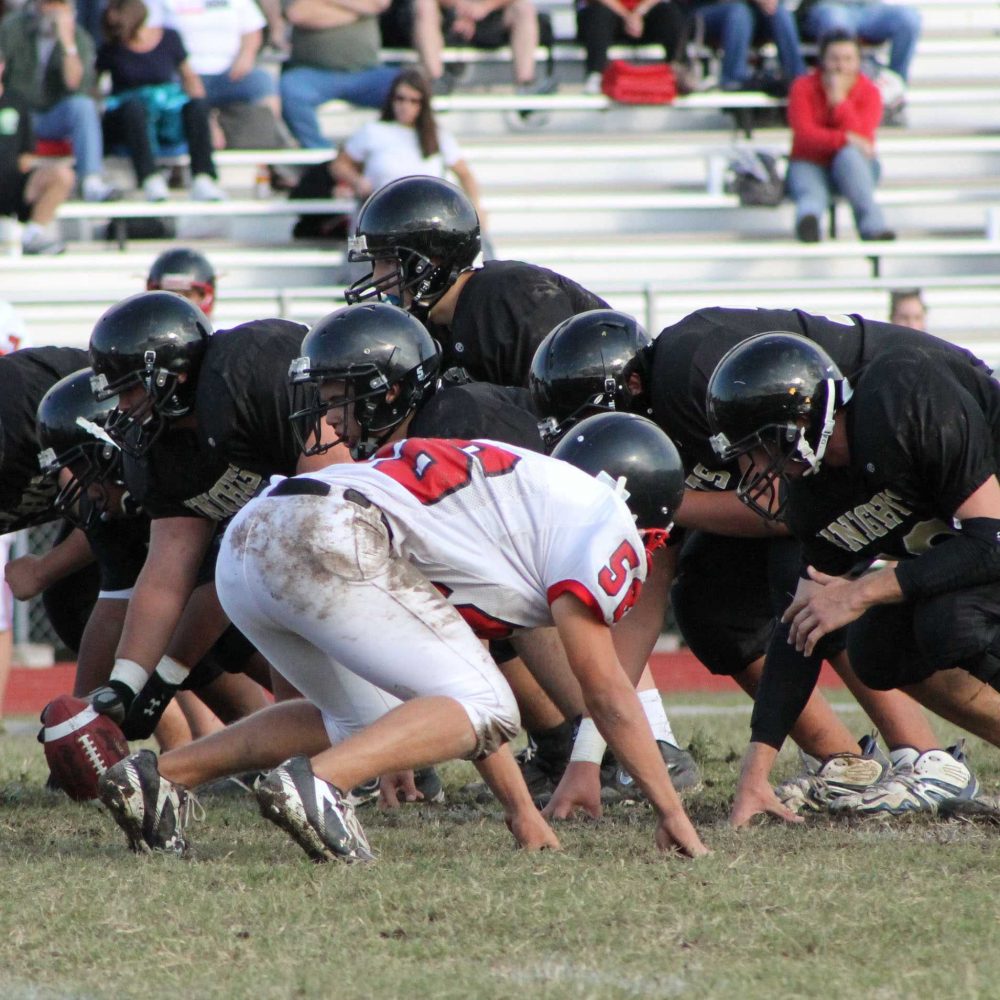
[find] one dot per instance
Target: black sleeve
(969, 559)
(788, 681)
(25, 134)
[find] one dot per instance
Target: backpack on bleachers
(754, 177)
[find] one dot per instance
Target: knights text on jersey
(479, 410)
(243, 437)
(502, 531)
(685, 355)
(923, 436)
(503, 313)
(25, 376)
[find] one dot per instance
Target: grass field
(835, 909)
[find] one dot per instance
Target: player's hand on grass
(675, 833)
(753, 799)
(396, 788)
(531, 831)
(579, 791)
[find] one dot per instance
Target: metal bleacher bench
(117, 212)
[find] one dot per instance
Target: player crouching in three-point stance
(384, 573)
(901, 465)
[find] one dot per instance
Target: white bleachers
(627, 200)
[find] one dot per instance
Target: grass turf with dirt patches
(841, 909)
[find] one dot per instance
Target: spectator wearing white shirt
(406, 140)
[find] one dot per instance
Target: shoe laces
(190, 809)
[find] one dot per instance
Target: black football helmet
(72, 437)
(180, 270)
(579, 367)
(426, 227)
(634, 452)
(155, 340)
(369, 347)
(777, 393)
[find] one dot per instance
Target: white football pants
(313, 583)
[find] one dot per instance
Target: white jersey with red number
(501, 531)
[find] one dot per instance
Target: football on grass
(80, 745)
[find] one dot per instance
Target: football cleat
(363, 794)
(918, 783)
(823, 782)
(428, 782)
(617, 785)
(313, 812)
(151, 809)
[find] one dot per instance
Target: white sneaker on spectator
(592, 85)
(96, 188)
(155, 188)
(204, 188)
(37, 241)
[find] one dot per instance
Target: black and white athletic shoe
(151, 809)
(617, 785)
(313, 812)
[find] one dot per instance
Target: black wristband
(147, 707)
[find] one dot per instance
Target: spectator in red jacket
(833, 113)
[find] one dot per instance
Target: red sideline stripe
(30, 690)
(682, 671)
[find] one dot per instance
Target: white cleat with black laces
(313, 812)
(151, 809)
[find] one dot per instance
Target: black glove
(147, 707)
(112, 700)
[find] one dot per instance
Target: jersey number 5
(614, 576)
(434, 469)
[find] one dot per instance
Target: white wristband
(172, 671)
(589, 745)
(129, 673)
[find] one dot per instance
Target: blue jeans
(250, 89)
(75, 118)
(873, 22)
(305, 88)
(851, 175)
(731, 26)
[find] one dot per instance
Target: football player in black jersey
(421, 236)
(203, 422)
(734, 573)
(898, 462)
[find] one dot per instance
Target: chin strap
(653, 539)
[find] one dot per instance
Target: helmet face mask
(774, 398)
(580, 368)
(426, 229)
(352, 361)
(71, 431)
(153, 342)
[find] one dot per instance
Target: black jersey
(25, 376)
(479, 410)
(503, 313)
(684, 356)
(923, 436)
(243, 434)
(119, 546)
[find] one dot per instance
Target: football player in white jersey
(383, 574)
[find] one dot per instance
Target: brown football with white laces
(80, 745)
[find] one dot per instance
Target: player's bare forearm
(636, 634)
(29, 575)
(530, 829)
